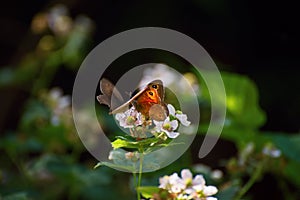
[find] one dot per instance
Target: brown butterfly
(149, 100)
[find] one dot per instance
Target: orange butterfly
(149, 101)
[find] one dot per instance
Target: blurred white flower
(59, 20)
(216, 174)
(161, 72)
(245, 153)
(179, 115)
(180, 84)
(271, 151)
(59, 103)
(133, 156)
(84, 23)
(111, 155)
(167, 126)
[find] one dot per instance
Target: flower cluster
(59, 104)
(187, 187)
(133, 119)
(130, 118)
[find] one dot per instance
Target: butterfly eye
(154, 86)
(151, 93)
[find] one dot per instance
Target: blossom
(173, 183)
(129, 118)
(59, 103)
(271, 151)
(133, 156)
(191, 183)
(179, 115)
(167, 127)
(159, 71)
(187, 187)
(137, 123)
(59, 20)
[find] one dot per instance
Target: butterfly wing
(109, 93)
(157, 112)
(158, 85)
(125, 106)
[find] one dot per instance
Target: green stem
(257, 173)
(140, 175)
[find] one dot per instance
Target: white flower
(159, 71)
(59, 103)
(133, 156)
(191, 183)
(271, 151)
(167, 126)
(129, 118)
(59, 20)
(179, 115)
(172, 183)
(216, 174)
(211, 198)
(210, 190)
(187, 187)
(111, 155)
(201, 190)
(183, 197)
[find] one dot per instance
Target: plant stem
(257, 173)
(140, 175)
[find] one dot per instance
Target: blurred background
(44, 42)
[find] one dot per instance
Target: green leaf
(228, 193)
(16, 196)
(242, 102)
(148, 191)
(144, 143)
(116, 166)
(291, 171)
(242, 106)
(289, 145)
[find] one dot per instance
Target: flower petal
(174, 124)
(172, 134)
(199, 180)
(210, 190)
(186, 174)
(183, 119)
(171, 109)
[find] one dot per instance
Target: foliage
(43, 158)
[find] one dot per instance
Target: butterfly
(149, 101)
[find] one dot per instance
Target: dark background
(254, 38)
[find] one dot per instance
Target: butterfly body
(148, 101)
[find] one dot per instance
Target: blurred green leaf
(228, 193)
(289, 145)
(7, 76)
(148, 191)
(243, 109)
(116, 166)
(16, 196)
(36, 113)
(291, 171)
